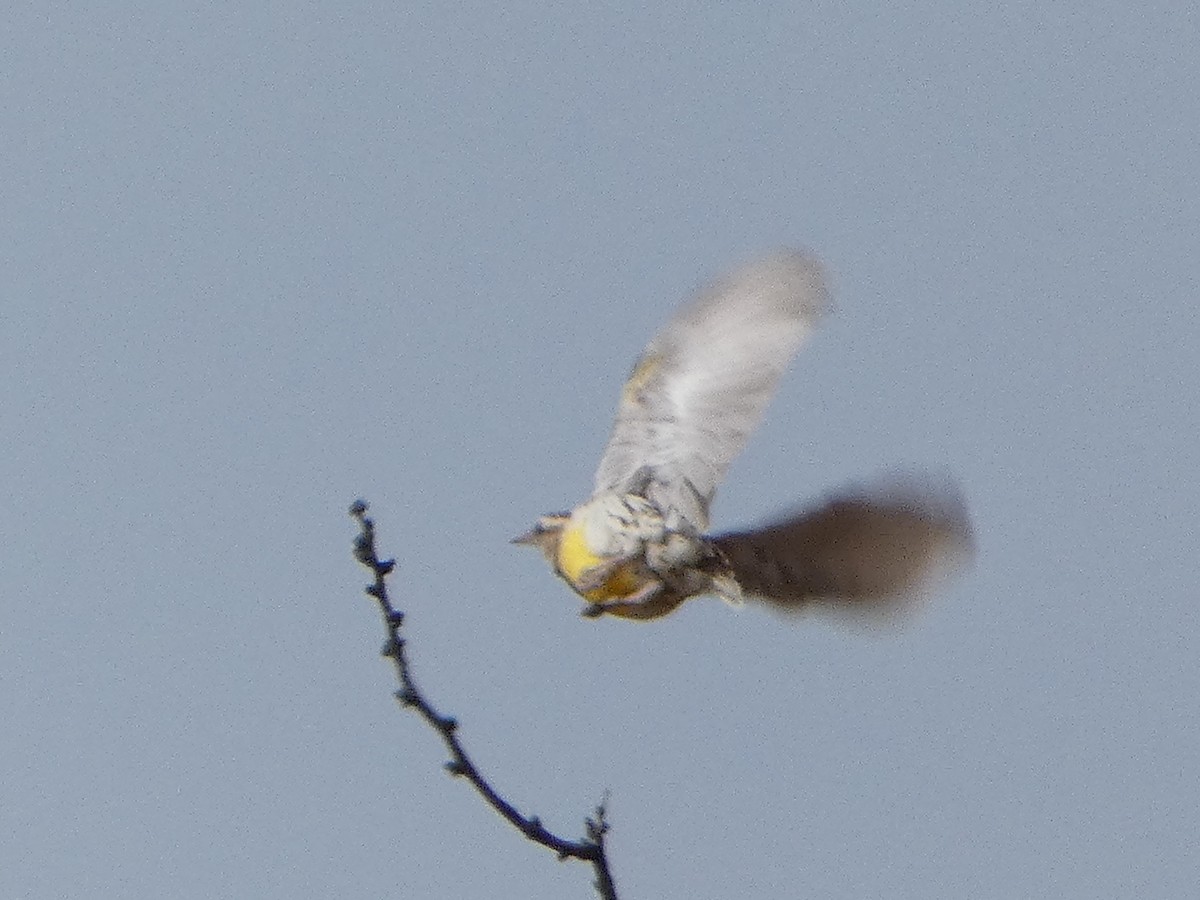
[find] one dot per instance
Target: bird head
(545, 535)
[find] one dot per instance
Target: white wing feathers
(700, 388)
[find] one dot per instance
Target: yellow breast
(575, 558)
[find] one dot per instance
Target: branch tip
(589, 850)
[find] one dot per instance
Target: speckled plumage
(637, 548)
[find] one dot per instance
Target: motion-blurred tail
(858, 553)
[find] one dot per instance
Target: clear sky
(262, 259)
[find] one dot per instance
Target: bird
(640, 545)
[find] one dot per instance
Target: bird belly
(576, 558)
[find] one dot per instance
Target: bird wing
(700, 387)
(859, 552)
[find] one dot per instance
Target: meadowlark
(639, 546)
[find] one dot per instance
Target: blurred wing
(855, 553)
(702, 384)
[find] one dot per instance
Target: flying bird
(639, 546)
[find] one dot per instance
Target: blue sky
(262, 261)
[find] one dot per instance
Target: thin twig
(591, 849)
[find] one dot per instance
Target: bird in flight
(639, 546)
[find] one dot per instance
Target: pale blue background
(259, 260)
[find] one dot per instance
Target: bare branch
(590, 849)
